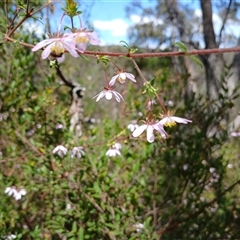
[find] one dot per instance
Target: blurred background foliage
(186, 187)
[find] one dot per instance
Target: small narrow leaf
(182, 46)
(197, 61)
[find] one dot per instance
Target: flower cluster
(16, 193)
(74, 43)
(108, 91)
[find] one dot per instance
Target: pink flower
(121, 77)
(56, 46)
(150, 127)
(82, 37)
(108, 94)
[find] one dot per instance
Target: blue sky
(110, 20)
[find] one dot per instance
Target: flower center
(122, 78)
(57, 49)
(81, 38)
(170, 123)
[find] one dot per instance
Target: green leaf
(81, 233)
(182, 46)
(196, 60)
(125, 45)
(74, 227)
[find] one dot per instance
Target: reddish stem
(147, 55)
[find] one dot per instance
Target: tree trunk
(213, 64)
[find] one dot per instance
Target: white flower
(60, 150)
(108, 94)
(185, 167)
(10, 191)
(212, 170)
(10, 237)
(17, 194)
(117, 146)
(150, 127)
(170, 103)
(114, 150)
(132, 126)
(139, 227)
(77, 152)
(170, 121)
(68, 207)
(230, 165)
(121, 77)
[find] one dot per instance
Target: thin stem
(18, 25)
(106, 77)
(139, 71)
(60, 25)
(80, 21)
(119, 69)
(72, 22)
(146, 55)
(27, 15)
(166, 54)
(7, 38)
(27, 8)
(161, 103)
(40, 9)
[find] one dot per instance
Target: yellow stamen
(170, 123)
(122, 78)
(57, 49)
(81, 39)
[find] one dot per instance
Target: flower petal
(93, 39)
(118, 96)
(46, 52)
(164, 121)
(150, 134)
(180, 120)
(61, 59)
(81, 47)
(71, 49)
(159, 127)
(137, 132)
(100, 95)
(113, 80)
(42, 44)
(23, 192)
(131, 77)
(108, 95)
